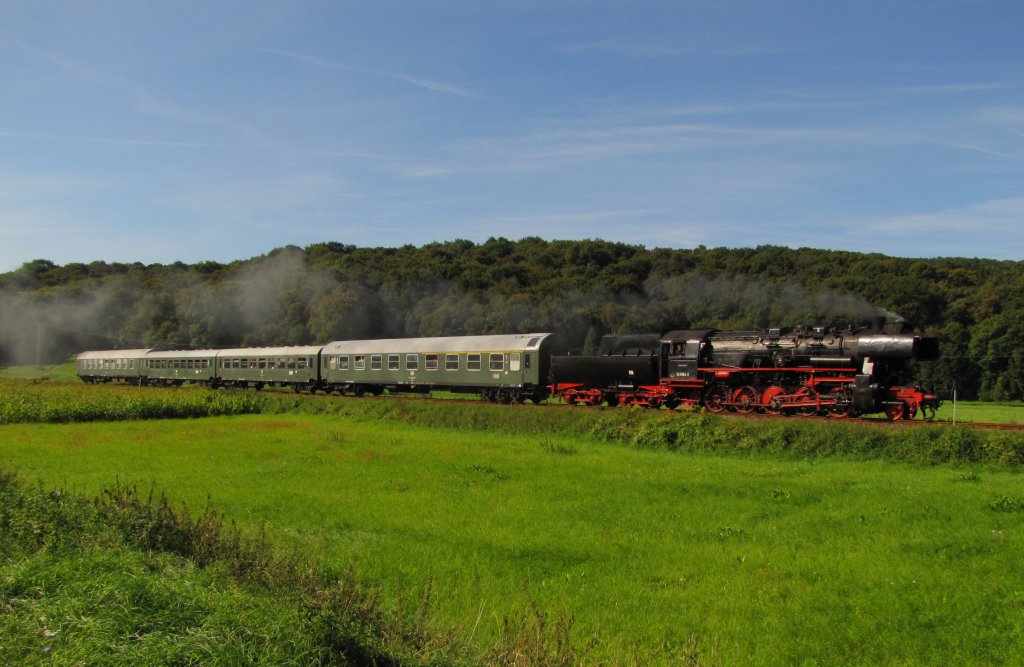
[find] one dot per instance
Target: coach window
(262, 363)
(360, 362)
(412, 362)
(432, 362)
(332, 363)
(394, 362)
(302, 363)
(472, 362)
(376, 362)
(514, 362)
(451, 362)
(496, 362)
(343, 363)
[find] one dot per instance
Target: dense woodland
(582, 289)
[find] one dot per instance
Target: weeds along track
(870, 421)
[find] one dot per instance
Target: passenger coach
(112, 366)
(501, 368)
(176, 367)
(292, 366)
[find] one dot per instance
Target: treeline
(583, 289)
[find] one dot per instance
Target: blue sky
(156, 132)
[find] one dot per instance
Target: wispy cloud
(116, 141)
(652, 48)
(417, 81)
(995, 216)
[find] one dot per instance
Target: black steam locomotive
(803, 371)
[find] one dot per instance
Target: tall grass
(699, 432)
(30, 401)
(126, 579)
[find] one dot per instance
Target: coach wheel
(897, 410)
(745, 399)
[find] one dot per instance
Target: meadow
(476, 517)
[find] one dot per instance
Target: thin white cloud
(985, 150)
(993, 218)
(419, 82)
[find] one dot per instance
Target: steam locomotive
(803, 371)
(800, 371)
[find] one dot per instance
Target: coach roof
(114, 354)
(442, 344)
(289, 351)
(181, 354)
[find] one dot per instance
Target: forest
(582, 289)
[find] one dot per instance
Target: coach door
(515, 368)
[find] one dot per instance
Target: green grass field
(655, 556)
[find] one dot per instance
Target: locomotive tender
(800, 371)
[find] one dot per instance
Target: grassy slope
(57, 373)
(764, 561)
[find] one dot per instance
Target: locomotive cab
(681, 353)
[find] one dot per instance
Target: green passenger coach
(112, 365)
(293, 366)
(500, 368)
(176, 367)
